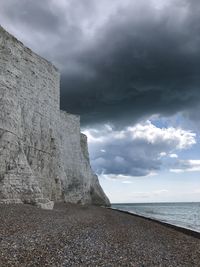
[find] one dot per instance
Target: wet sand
(73, 235)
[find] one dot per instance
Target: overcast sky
(131, 70)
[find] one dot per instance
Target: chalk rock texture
(43, 155)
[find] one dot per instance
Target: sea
(182, 214)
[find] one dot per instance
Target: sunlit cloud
(138, 150)
(173, 156)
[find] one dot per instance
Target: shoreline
(181, 229)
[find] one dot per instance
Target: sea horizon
(113, 203)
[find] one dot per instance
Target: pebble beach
(75, 235)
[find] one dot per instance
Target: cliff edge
(43, 155)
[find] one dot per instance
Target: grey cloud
(140, 61)
(141, 64)
(125, 158)
(38, 15)
(188, 165)
(137, 150)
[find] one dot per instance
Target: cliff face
(43, 155)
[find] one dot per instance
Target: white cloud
(186, 166)
(139, 150)
(123, 178)
(163, 154)
(175, 156)
(150, 133)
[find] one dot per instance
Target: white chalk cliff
(43, 155)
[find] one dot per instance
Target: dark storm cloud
(36, 14)
(140, 60)
(141, 64)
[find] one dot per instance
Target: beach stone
(43, 155)
(45, 204)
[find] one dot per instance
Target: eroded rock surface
(43, 155)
